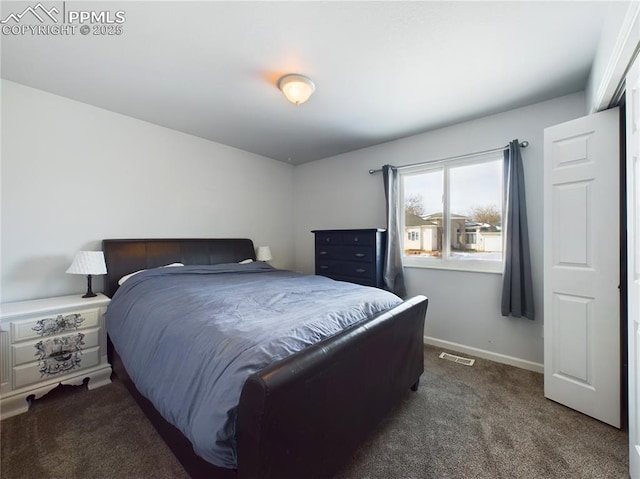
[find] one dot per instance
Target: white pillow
(246, 261)
(127, 276)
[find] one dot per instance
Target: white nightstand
(47, 342)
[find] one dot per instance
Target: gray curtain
(517, 288)
(393, 272)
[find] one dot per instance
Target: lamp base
(89, 293)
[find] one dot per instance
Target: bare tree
(413, 204)
(489, 214)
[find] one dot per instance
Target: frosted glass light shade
(264, 253)
(297, 88)
(88, 262)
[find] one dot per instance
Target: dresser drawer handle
(324, 267)
(356, 239)
(360, 255)
(360, 270)
(327, 240)
(322, 252)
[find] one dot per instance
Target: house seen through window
(453, 214)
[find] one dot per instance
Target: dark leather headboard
(124, 256)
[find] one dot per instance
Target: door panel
(581, 265)
(633, 261)
(571, 224)
(571, 338)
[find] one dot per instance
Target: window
(453, 214)
(470, 238)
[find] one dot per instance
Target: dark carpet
(485, 421)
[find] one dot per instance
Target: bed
(305, 412)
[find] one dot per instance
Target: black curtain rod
(523, 144)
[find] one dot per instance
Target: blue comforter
(190, 336)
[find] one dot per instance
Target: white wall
(464, 307)
(73, 174)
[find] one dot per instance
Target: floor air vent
(457, 359)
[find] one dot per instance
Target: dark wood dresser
(356, 256)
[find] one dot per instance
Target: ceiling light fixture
(297, 88)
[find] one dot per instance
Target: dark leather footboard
(306, 415)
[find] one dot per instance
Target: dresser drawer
(327, 267)
(55, 346)
(354, 270)
(328, 238)
(355, 238)
(349, 238)
(351, 279)
(53, 324)
(346, 253)
(51, 367)
(343, 268)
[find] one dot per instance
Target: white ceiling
(383, 70)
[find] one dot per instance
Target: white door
(582, 265)
(632, 84)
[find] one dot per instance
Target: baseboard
(481, 353)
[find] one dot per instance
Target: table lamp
(264, 253)
(89, 263)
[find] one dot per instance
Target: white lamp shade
(297, 88)
(264, 253)
(88, 262)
